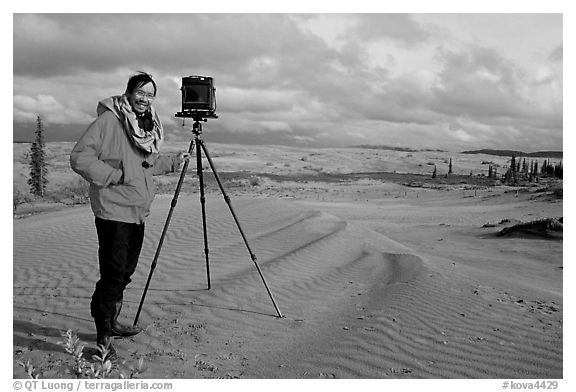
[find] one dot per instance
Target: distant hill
(392, 148)
(509, 153)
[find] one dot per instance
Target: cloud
(480, 83)
(26, 109)
(326, 79)
(260, 101)
(401, 28)
(557, 54)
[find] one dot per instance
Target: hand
(183, 156)
(179, 159)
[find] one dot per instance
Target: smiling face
(141, 98)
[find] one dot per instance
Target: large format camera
(198, 97)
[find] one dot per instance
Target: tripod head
(198, 118)
(197, 126)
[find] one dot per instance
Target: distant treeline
(393, 148)
(508, 153)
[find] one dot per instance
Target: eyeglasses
(141, 94)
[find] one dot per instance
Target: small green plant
(101, 367)
(74, 347)
(137, 370)
(29, 368)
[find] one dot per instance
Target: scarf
(148, 138)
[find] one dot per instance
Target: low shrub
(255, 180)
(74, 192)
(100, 367)
(21, 197)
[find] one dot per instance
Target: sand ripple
(357, 304)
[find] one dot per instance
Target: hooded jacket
(119, 173)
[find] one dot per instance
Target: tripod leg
(203, 203)
(168, 218)
(200, 143)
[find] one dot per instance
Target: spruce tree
(38, 167)
(558, 170)
(450, 167)
(524, 166)
(512, 177)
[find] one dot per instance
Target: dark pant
(119, 248)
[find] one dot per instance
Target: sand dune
(364, 292)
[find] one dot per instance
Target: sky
(421, 80)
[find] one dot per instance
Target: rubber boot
(119, 329)
(103, 338)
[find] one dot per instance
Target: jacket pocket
(123, 196)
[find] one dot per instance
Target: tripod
(200, 146)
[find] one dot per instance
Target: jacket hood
(110, 104)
